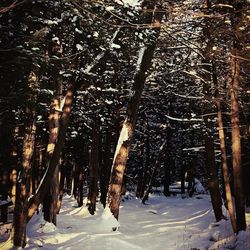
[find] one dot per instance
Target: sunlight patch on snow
(166, 223)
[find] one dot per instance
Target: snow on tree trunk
(145, 57)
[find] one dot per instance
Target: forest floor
(164, 223)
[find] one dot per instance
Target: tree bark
(35, 201)
(23, 187)
(93, 167)
(62, 188)
(106, 167)
(226, 180)
(127, 131)
(24, 177)
(213, 183)
(51, 199)
(236, 145)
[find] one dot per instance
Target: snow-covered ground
(164, 223)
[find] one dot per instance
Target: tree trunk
(62, 183)
(23, 187)
(166, 190)
(127, 131)
(153, 174)
(93, 167)
(35, 201)
(106, 167)
(24, 177)
(226, 180)
(50, 201)
(236, 146)
(80, 187)
(213, 183)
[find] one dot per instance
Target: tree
(122, 150)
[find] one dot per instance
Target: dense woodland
(99, 97)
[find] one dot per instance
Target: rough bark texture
(236, 146)
(124, 141)
(36, 200)
(50, 201)
(24, 177)
(23, 187)
(225, 167)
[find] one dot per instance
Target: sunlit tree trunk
(36, 200)
(236, 145)
(213, 182)
(51, 199)
(226, 179)
(128, 127)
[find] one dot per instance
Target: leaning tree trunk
(24, 177)
(128, 127)
(236, 145)
(36, 200)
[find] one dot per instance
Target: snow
(122, 138)
(78, 31)
(115, 46)
(170, 223)
(131, 3)
(79, 46)
(140, 56)
(110, 8)
(199, 187)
